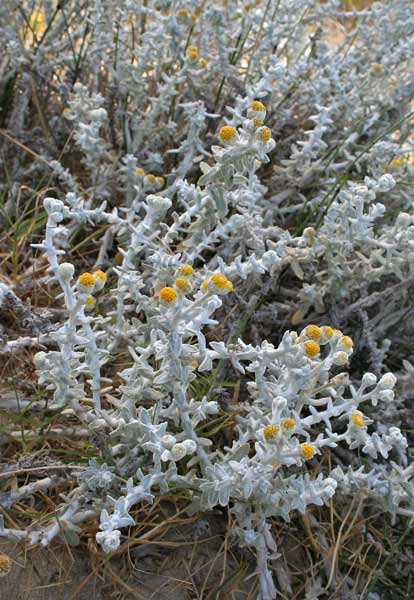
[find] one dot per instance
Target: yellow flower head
(139, 171)
(308, 450)
(195, 364)
(312, 348)
(182, 284)
(265, 134)
(168, 295)
(313, 332)
(183, 12)
(396, 162)
(221, 281)
(87, 279)
(102, 276)
(150, 178)
(357, 419)
(192, 53)
(270, 432)
(377, 68)
(288, 423)
(257, 122)
(257, 106)
(327, 331)
(337, 332)
(186, 270)
(203, 63)
(160, 180)
(204, 285)
(347, 342)
(90, 302)
(227, 133)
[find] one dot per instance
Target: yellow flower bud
(87, 279)
(257, 105)
(102, 276)
(90, 302)
(182, 284)
(221, 281)
(308, 450)
(227, 133)
(347, 342)
(270, 432)
(327, 331)
(186, 270)
(312, 348)
(358, 419)
(313, 332)
(168, 295)
(265, 134)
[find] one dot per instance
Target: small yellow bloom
(257, 105)
(313, 332)
(265, 134)
(90, 301)
(227, 133)
(257, 122)
(102, 276)
(87, 279)
(347, 342)
(358, 419)
(270, 432)
(168, 295)
(377, 68)
(139, 171)
(160, 180)
(192, 53)
(182, 284)
(288, 423)
(327, 331)
(203, 63)
(183, 12)
(308, 450)
(186, 270)
(204, 285)
(396, 162)
(221, 281)
(337, 332)
(312, 348)
(195, 363)
(150, 178)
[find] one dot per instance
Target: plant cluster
(248, 181)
